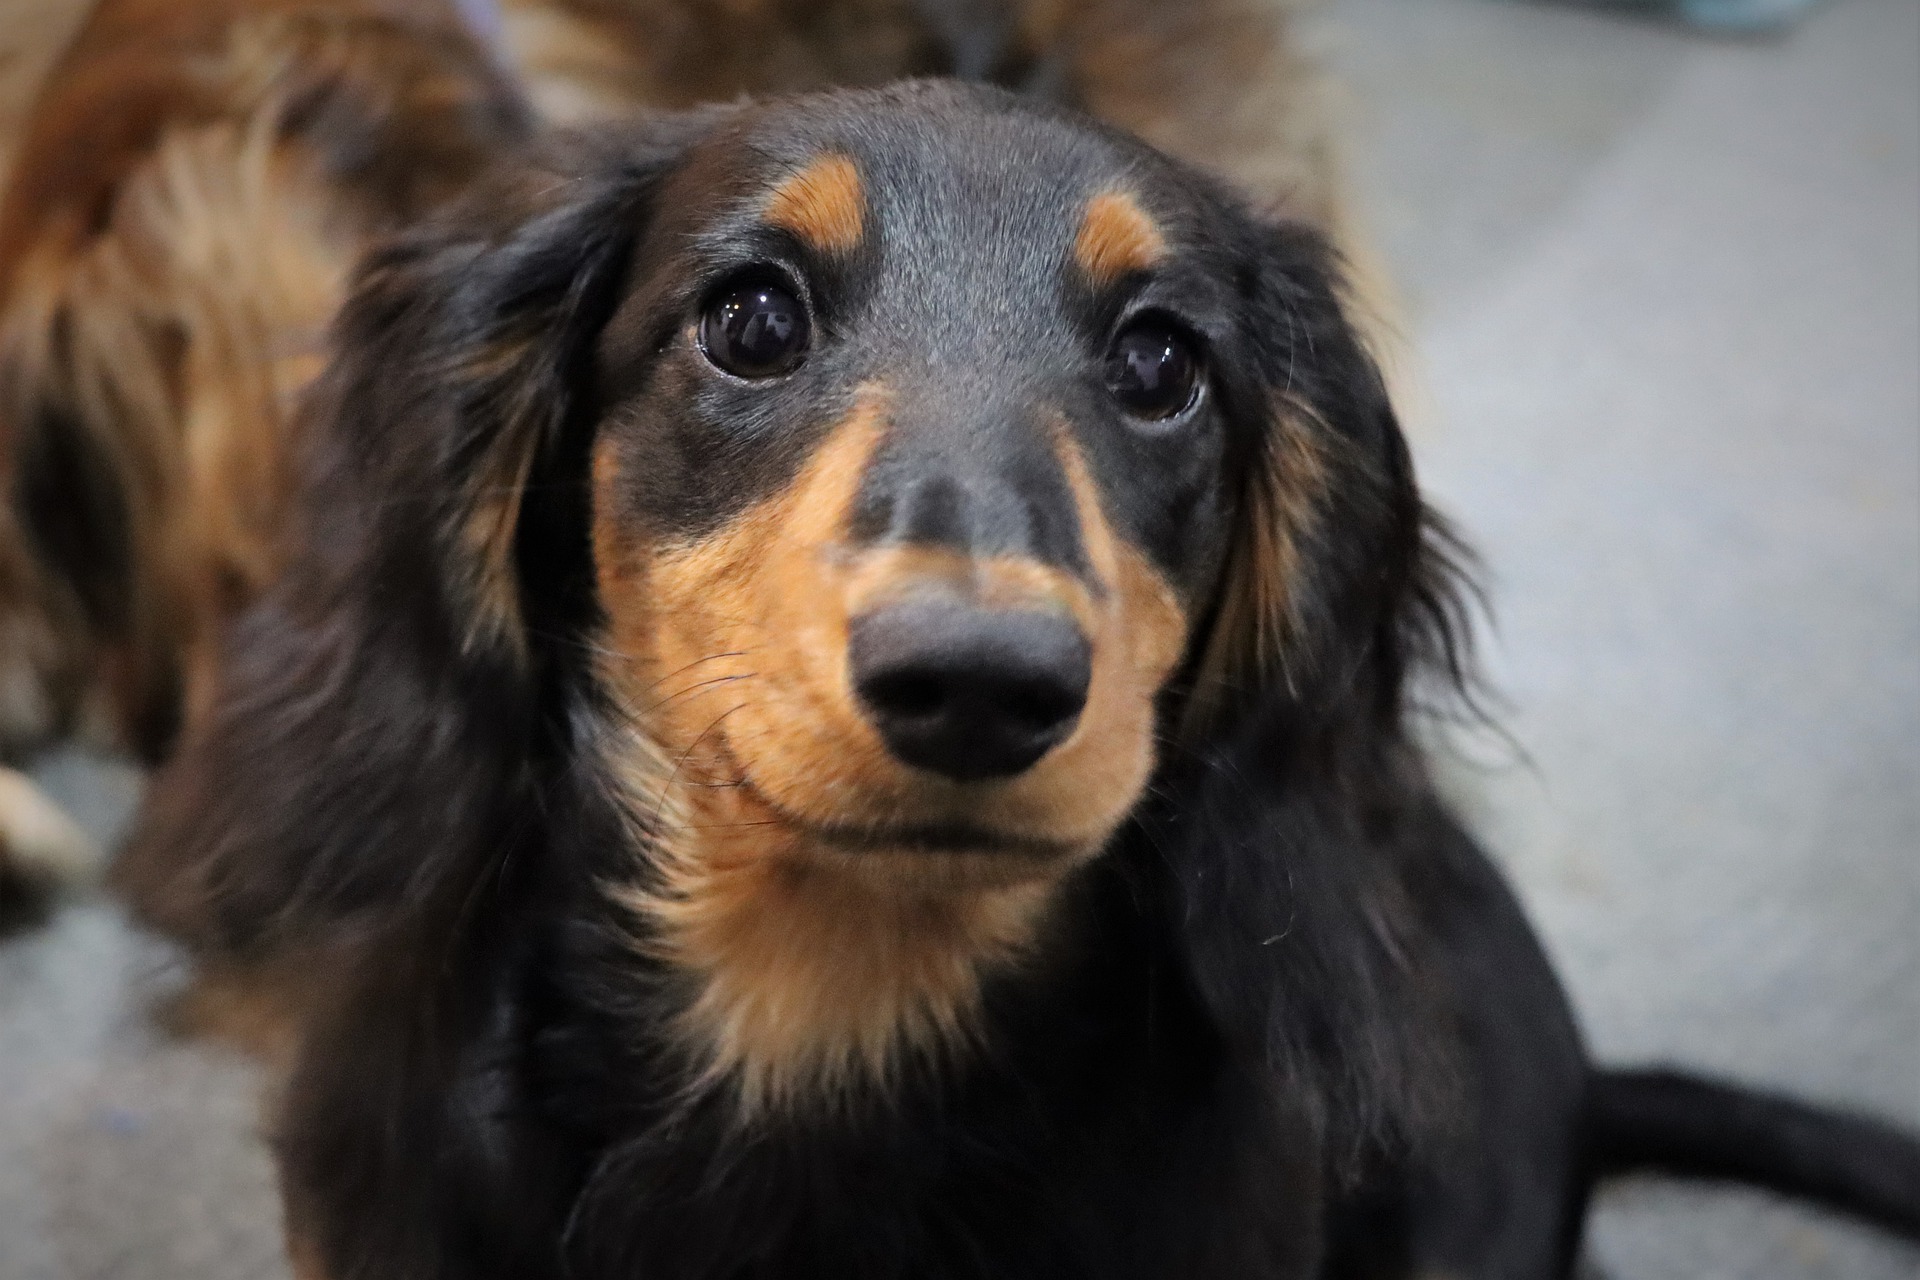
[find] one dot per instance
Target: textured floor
(1667, 297)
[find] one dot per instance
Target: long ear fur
(1340, 583)
(1303, 801)
(376, 727)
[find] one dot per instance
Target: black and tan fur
(651, 952)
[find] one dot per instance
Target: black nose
(967, 692)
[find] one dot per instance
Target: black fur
(1672, 1122)
(1290, 1024)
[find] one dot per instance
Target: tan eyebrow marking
(823, 204)
(1116, 237)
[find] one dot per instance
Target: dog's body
(667, 963)
(833, 701)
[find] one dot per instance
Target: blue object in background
(1725, 17)
(1743, 15)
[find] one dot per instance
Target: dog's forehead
(962, 194)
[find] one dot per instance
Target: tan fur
(823, 204)
(492, 506)
(1116, 238)
(171, 252)
(1259, 592)
(816, 967)
(816, 964)
(32, 35)
(778, 589)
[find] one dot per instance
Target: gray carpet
(1666, 293)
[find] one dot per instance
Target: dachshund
(195, 177)
(841, 703)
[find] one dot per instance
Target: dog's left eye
(1153, 369)
(755, 330)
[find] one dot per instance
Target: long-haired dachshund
(838, 706)
(193, 179)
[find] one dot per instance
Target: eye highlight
(1153, 369)
(755, 329)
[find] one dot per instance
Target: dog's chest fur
(1103, 1130)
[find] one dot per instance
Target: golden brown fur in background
(188, 192)
(1218, 83)
(32, 34)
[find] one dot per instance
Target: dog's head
(890, 482)
(913, 471)
(946, 456)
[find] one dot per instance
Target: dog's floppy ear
(1285, 851)
(1339, 581)
(376, 719)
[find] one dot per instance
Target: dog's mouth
(934, 836)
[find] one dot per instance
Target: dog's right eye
(755, 330)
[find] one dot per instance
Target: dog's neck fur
(815, 972)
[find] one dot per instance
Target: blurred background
(1663, 295)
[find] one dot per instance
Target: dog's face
(912, 477)
(937, 463)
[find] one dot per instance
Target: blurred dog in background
(185, 199)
